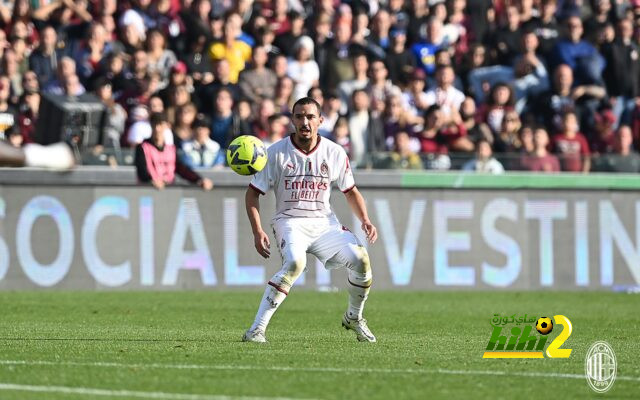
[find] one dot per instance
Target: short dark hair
(304, 101)
(157, 118)
(431, 110)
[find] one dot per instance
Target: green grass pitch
(186, 345)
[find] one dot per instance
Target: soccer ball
(544, 325)
(247, 155)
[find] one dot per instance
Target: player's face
(306, 120)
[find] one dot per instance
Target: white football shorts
(322, 237)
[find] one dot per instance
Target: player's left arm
(357, 204)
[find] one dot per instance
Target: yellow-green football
(544, 325)
(247, 155)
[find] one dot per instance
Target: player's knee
(362, 264)
(292, 270)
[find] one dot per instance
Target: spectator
(507, 139)
(602, 139)
(8, 113)
(178, 77)
(183, 128)
(501, 101)
(341, 135)
(475, 130)
(257, 82)
(330, 113)
(396, 118)
(403, 157)
(505, 42)
(201, 151)
(425, 50)
(28, 116)
(400, 60)
(30, 82)
(623, 60)
(284, 99)
(160, 58)
(432, 144)
(379, 86)
(277, 129)
(564, 97)
(93, 51)
(379, 41)
(540, 160)
(360, 81)
(366, 130)
(526, 138)
(11, 69)
(414, 99)
(19, 47)
(114, 118)
(484, 160)
(236, 52)
(623, 158)
(302, 68)
(444, 94)
(141, 128)
(288, 40)
(571, 146)
(226, 125)
(260, 127)
(198, 62)
(545, 27)
(66, 74)
(418, 19)
(583, 59)
(157, 162)
(600, 17)
(44, 60)
(222, 79)
(340, 51)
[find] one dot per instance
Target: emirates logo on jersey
(324, 169)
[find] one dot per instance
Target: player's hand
(370, 231)
(261, 241)
(158, 184)
(206, 184)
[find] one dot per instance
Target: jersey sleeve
(263, 179)
(345, 179)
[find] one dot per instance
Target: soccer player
(301, 168)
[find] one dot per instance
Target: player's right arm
(260, 238)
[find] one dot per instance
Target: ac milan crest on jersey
(324, 169)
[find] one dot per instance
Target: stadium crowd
(485, 85)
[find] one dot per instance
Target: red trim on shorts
(278, 288)
(347, 190)
(363, 287)
(256, 189)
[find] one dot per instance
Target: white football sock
(54, 156)
(271, 300)
(359, 286)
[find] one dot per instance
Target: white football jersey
(302, 181)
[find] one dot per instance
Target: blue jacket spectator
(585, 61)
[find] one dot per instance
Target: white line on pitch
(308, 369)
(126, 393)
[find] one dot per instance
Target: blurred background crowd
(485, 85)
